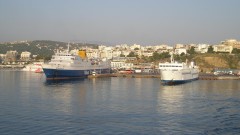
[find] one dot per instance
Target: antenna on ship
(172, 59)
(68, 48)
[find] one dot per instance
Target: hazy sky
(145, 22)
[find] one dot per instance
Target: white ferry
(178, 73)
(64, 65)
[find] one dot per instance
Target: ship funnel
(82, 54)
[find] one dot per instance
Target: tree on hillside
(165, 55)
(155, 56)
(136, 48)
(182, 54)
(158, 56)
(176, 57)
(210, 49)
(131, 54)
(191, 50)
(236, 51)
(122, 55)
(144, 58)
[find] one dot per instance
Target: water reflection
(63, 81)
(68, 94)
(169, 99)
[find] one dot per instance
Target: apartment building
(11, 56)
(231, 42)
(222, 48)
(25, 56)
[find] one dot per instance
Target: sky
(111, 22)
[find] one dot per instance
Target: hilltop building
(133, 47)
(179, 49)
(11, 56)
(231, 42)
(25, 56)
(227, 46)
(92, 53)
(222, 48)
(202, 48)
(2, 57)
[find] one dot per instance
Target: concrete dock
(218, 77)
(125, 75)
(101, 75)
(201, 76)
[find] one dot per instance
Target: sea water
(31, 105)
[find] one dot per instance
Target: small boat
(34, 67)
(178, 73)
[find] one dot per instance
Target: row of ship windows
(169, 66)
(64, 58)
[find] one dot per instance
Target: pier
(101, 75)
(125, 75)
(139, 75)
(201, 76)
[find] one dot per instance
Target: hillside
(208, 62)
(43, 48)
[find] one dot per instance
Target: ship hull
(70, 74)
(176, 82)
(172, 77)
